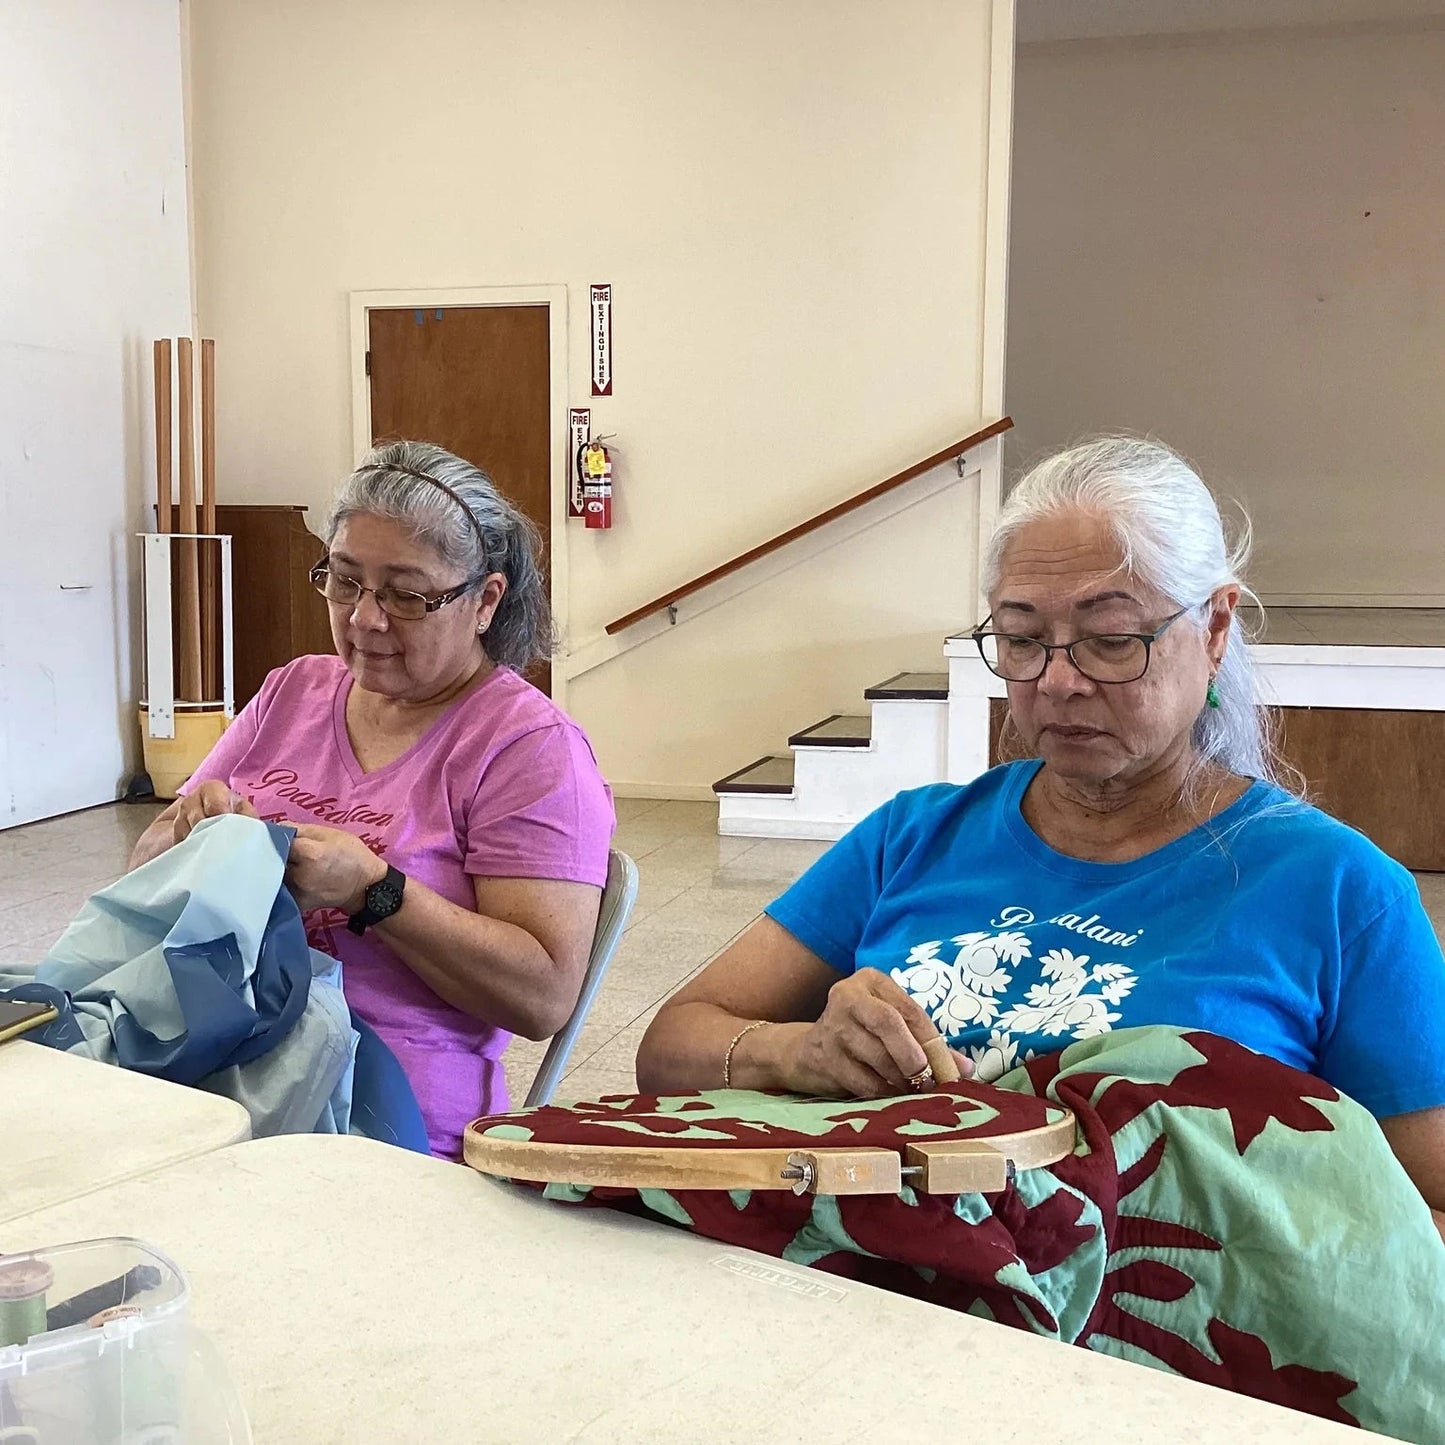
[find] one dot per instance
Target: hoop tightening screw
(800, 1171)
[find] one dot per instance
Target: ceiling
(1051, 20)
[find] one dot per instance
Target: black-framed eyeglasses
(1108, 657)
(398, 602)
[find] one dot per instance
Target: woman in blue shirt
(1145, 867)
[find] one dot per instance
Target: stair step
(767, 775)
(838, 731)
(911, 687)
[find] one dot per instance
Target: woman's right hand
(867, 1043)
(210, 800)
(174, 825)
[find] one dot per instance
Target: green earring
(1211, 695)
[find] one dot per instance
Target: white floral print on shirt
(969, 991)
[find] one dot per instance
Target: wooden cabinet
(1377, 770)
(278, 614)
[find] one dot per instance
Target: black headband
(441, 487)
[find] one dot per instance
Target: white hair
(1173, 539)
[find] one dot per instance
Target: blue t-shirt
(1273, 925)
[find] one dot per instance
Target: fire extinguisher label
(602, 340)
(579, 429)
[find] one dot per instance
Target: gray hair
(1168, 525)
(396, 480)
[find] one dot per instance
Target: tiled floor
(697, 892)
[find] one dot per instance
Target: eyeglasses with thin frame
(398, 602)
(1107, 657)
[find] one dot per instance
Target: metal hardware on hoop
(801, 1172)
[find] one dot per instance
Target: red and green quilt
(1222, 1216)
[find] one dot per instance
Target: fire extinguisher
(594, 465)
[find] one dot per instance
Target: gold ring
(921, 1080)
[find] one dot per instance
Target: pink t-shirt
(503, 785)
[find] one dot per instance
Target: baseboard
(807, 829)
(664, 792)
(1352, 599)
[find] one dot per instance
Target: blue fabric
(1274, 925)
(195, 968)
(222, 1027)
(62, 1032)
(383, 1103)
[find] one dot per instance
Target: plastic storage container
(96, 1348)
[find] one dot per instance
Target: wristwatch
(379, 901)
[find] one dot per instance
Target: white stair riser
(835, 788)
(909, 748)
(742, 815)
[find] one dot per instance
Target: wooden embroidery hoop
(980, 1165)
(977, 1163)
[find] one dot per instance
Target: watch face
(384, 897)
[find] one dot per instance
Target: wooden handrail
(957, 449)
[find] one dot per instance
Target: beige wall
(789, 201)
(1235, 243)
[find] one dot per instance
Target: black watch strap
(380, 901)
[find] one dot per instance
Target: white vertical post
(228, 690)
(971, 687)
(990, 499)
(160, 676)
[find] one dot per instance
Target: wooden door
(476, 380)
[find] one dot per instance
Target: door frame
(554, 298)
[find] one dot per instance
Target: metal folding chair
(618, 898)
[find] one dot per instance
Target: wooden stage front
(1360, 695)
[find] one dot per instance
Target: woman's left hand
(330, 868)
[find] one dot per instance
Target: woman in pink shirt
(452, 825)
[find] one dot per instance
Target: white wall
(94, 263)
(789, 201)
(1234, 243)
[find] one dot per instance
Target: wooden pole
(210, 558)
(163, 434)
(188, 610)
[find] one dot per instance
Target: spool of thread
(941, 1061)
(23, 1285)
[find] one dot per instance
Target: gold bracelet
(728, 1057)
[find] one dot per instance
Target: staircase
(843, 767)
